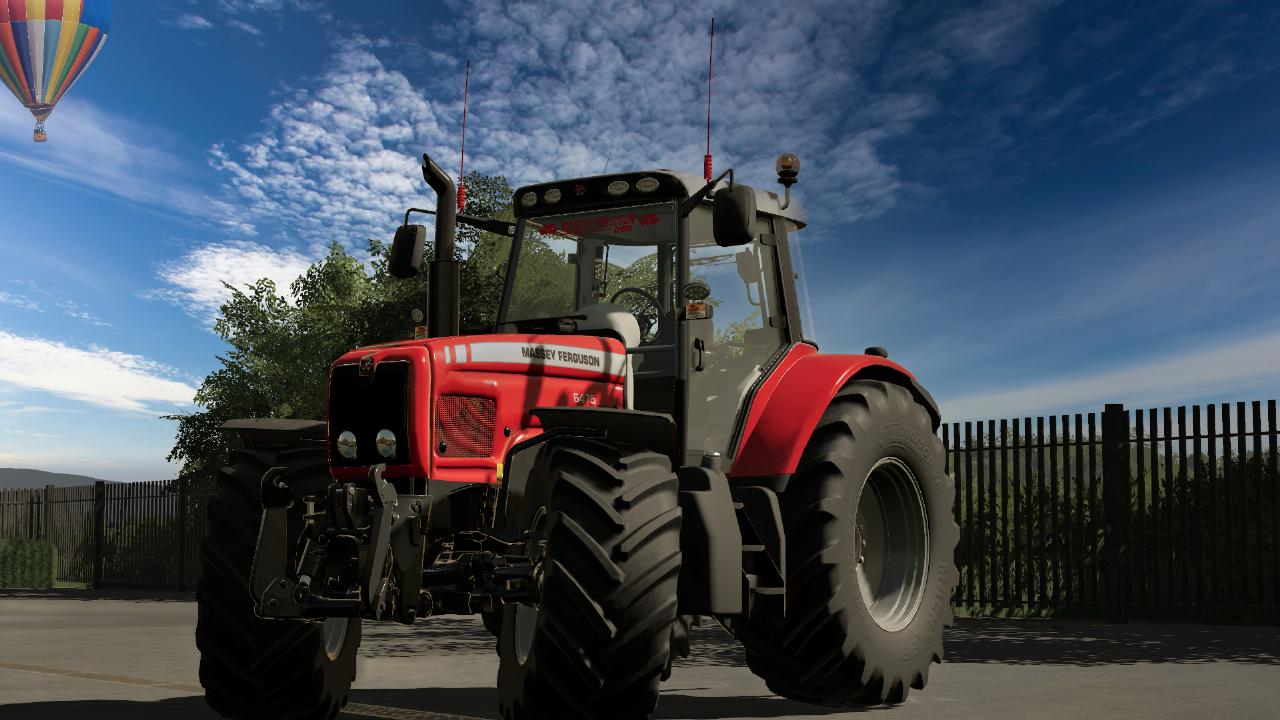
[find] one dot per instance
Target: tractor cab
(699, 304)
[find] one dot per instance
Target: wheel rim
(526, 615)
(891, 547)
(526, 625)
(335, 636)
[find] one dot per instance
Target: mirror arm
(416, 210)
(688, 205)
(498, 227)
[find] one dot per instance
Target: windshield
(566, 262)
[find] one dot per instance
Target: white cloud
(50, 298)
(557, 89)
(243, 27)
(336, 163)
(274, 7)
(94, 375)
(90, 148)
(10, 408)
(77, 311)
(192, 22)
(998, 32)
(18, 301)
(1191, 374)
(195, 280)
(237, 6)
(554, 93)
(556, 104)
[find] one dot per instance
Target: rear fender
(786, 409)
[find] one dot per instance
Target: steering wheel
(647, 324)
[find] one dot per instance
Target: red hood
(490, 383)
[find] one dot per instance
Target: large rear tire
(251, 668)
(597, 643)
(870, 556)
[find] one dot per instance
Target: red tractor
(644, 436)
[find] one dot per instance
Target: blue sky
(1037, 206)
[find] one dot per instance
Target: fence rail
(1160, 512)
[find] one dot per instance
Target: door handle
(700, 349)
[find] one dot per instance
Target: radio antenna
(606, 163)
(462, 167)
(706, 160)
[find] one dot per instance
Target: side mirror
(406, 250)
(733, 216)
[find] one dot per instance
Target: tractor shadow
(998, 642)
(711, 646)
(188, 708)
(1056, 642)
(442, 634)
(87, 594)
(432, 703)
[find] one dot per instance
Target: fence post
(31, 514)
(1117, 489)
(99, 530)
(182, 533)
(48, 512)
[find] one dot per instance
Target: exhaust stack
(444, 275)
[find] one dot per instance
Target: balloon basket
(39, 134)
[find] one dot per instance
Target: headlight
(347, 445)
(618, 187)
(386, 442)
(529, 199)
(552, 196)
(647, 184)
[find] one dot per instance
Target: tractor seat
(609, 320)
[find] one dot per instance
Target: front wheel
(598, 640)
(870, 566)
(252, 668)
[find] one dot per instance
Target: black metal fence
(1163, 513)
(142, 534)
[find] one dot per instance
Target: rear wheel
(870, 568)
(251, 668)
(598, 640)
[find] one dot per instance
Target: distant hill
(24, 478)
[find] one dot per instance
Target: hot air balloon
(46, 45)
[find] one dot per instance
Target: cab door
(724, 355)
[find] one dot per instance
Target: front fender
(786, 409)
(277, 433)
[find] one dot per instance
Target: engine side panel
(788, 405)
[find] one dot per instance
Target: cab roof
(587, 193)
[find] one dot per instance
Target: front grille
(464, 426)
(366, 404)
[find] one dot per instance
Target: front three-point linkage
(361, 553)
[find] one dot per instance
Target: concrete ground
(74, 655)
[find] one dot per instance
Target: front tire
(253, 668)
(599, 640)
(870, 557)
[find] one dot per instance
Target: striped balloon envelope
(46, 45)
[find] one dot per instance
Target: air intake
(464, 426)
